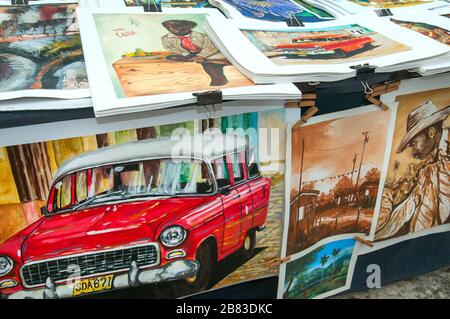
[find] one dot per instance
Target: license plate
(86, 286)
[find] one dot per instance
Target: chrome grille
(36, 273)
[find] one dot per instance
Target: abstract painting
(40, 48)
(148, 55)
(416, 193)
(325, 271)
(322, 46)
(280, 10)
(335, 174)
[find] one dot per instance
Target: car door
(260, 190)
(240, 177)
(230, 202)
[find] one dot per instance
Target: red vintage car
(337, 44)
(135, 213)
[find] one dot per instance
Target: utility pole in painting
(358, 201)
(351, 177)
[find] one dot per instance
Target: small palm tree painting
(321, 272)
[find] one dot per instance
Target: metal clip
(152, 6)
(293, 21)
(384, 12)
(19, 2)
(209, 98)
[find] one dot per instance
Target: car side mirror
(225, 190)
(44, 210)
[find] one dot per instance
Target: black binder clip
(293, 21)
(19, 2)
(152, 6)
(209, 98)
(363, 70)
(384, 12)
(363, 73)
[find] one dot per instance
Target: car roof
(201, 146)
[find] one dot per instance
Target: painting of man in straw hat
(426, 203)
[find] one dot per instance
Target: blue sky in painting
(346, 246)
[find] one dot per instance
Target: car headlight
(6, 265)
(173, 236)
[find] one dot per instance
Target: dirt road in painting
(267, 247)
(337, 221)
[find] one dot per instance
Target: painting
(113, 211)
(40, 48)
(280, 10)
(432, 31)
(416, 192)
(335, 173)
(389, 3)
(144, 53)
(169, 3)
(324, 271)
(322, 46)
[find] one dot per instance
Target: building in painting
(302, 218)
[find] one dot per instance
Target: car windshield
(156, 177)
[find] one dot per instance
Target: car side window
(238, 168)
(102, 181)
(253, 170)
(63, 196)
(81, 186)
(219, 167)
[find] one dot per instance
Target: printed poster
(415, 195)
(323, 45)
(41, 53)
(335, 169)
(73, 222)
(323, 271)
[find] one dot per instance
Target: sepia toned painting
(40, 48)
(389, 3)
(120, 210)
(335, 175)
(280, 10)
(322, 46)
(436, 33)
(157, 54)
(417, 187)
(322, 271)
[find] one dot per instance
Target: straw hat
(419, 119)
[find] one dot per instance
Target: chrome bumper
(176, 270)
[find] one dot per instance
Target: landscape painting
(112, 210)
(416, 193)
(322, 46)
(280, 10)
(166, 53)
(40, 48)
(389, 3)
(432, 31)
(324, 271)
(334, 177)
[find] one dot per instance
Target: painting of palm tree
(335, 252)
(316, 274)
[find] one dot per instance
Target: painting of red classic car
(336, 45)
(134, 214)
